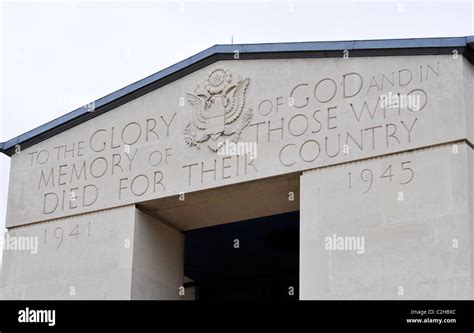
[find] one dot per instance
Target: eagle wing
(198, 110)
(236, 102)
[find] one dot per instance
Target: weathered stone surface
(413, 212)
(112, 254)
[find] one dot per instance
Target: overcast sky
(57, 55)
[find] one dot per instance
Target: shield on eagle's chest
(215, 116)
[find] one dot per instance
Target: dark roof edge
(411, 46)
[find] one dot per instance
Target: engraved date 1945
(402, 174)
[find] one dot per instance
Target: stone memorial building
(280, 171)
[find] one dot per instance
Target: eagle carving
(218, 110)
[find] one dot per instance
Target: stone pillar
(394, 227)
(112, 254)
(158, 260)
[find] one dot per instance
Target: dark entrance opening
(252, 260)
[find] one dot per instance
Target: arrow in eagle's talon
(236, 137)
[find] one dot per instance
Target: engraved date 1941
(59, 235)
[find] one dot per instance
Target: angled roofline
(356, 48)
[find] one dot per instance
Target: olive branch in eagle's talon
(190, 136)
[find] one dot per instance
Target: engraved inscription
(300, 119)
(60, 234)
(366, 177)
